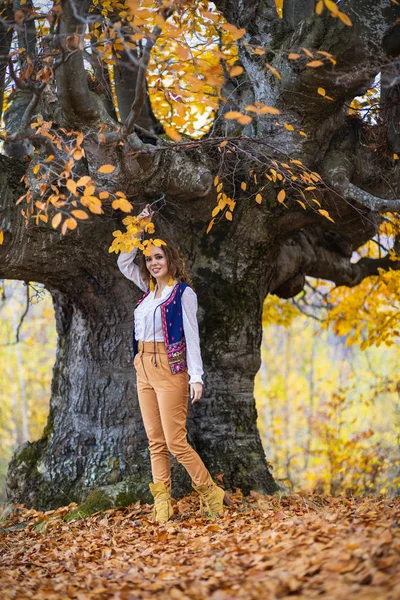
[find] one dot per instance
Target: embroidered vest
(172, 325)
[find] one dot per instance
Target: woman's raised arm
(128, 267)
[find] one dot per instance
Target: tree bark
(94, 436)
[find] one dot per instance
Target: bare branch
(350, 191)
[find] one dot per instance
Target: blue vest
(172, 325)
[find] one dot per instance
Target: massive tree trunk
(94, 437)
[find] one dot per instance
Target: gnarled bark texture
(94, 437)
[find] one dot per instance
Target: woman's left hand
(196, 389)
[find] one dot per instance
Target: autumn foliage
(299, 546)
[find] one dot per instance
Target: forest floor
(300, 546)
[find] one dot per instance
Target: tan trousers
(163, 400)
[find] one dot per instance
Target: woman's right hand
(146, 213)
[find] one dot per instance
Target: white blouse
(144, 315)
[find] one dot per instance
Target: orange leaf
(315, 63)
(232, 114)
(274, 71)
(210, 225)
(293, 56)
(71, 186)
(79, 214)
(325, 214)
(281, 196)
(236, 71)
(106, 169)
(56, 220)
(70, 223)
(259, 198)
(228, 215)
(243, 185)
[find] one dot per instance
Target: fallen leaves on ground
(301, 546)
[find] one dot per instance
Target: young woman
(166, 354)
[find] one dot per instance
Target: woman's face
(157, 263)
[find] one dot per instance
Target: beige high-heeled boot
(162, 509)
(212, 499)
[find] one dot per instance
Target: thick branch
(309, 253)
(141, 86)
(77, 102)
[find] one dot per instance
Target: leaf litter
(299, 547)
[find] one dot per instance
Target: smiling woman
(167, 352)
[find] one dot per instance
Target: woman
(166, 353)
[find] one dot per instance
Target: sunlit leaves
(106, 169)
(333, 9)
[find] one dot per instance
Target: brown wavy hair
(175, 261)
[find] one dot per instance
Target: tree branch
(141, 87)
(78, 104)
(311, 253)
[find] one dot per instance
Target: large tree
(109, 83)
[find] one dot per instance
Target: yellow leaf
(215, 211)
(1, 237)
(232, 114)
(36, 169)
(49, 158)
(288, 126)
(243, 185)
(103, 195)
(325, 214)
(79, 214)
(70, 223)
(258, 198)
(301, 204)
(244, 119)
(106, 169)
(83, 181)
(303, 133)
(56, 220)
(332, 6)
(228, 215)
(306, 51)
(395, 156)
(122, 204)
(159, 243)
(274, 71)
(345, 19)
(319, 7)
(216, 180)
(210, 225)
(172, 133)
(315, 63)
(321, 91)
(223, 144)
(236, 71)
(293, 56)
(270, 110)
(71, 186)
(281, 196)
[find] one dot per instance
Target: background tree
(303, 180)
